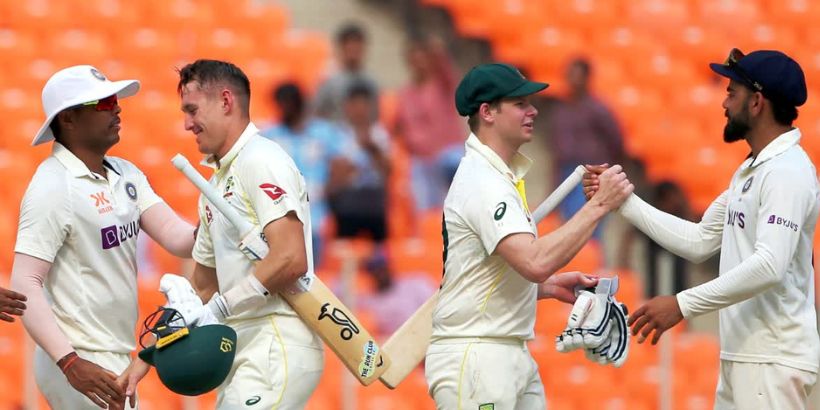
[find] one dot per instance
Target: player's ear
(228, 100)
(756, 103)
(486, 113)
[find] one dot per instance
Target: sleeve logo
(273, 191)
(776, 220)
(500, 210)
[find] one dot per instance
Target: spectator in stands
(356, 190)
(396, 299)
(351, 43)
(584, 131)
(313, 144)
(427, 122)
(11, 304)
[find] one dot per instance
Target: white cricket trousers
(762, 386)
(278, 364)
(483, 373)
(55, 387)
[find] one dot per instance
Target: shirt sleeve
(46, 217)
(146, 197)
(274, 188)
(497, 216)
(203, 252)
(785, 204)
(693, 241)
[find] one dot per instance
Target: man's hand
(96, 383)
(561, 286)
(590, 181)
(11, 303)
(130, 377)
(659, 314)
(613, 189)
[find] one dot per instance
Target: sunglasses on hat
(732, 62)
(105, 104)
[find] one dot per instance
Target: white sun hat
(74, 86)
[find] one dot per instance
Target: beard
(736, 128)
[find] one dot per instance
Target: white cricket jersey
(87, 226)
(261, 182)
(765, 290)
(481, 295)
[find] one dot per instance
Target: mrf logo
(112, 236)
(776, 220)
(340, 318)
(274, 192)
(102, 203)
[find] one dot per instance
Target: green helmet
(189, 360)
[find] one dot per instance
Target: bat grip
(555, 198)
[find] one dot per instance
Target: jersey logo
(209, 216)
(253, 400)
(747, 184)
(500, 210)
(776, 220)
(131, 191)
(228, 188)
(273, 191)
(112, 236)
(486, 406)
(735, 218)
(102, 203)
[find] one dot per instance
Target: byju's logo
(112, 236)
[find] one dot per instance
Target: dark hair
(583, 65)
(348, 32)
(288, 91)
(360, 89)
(473, 120)
(784, 113)
(214, 72)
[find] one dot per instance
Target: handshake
(597, 324)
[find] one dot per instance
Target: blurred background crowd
(360, 94)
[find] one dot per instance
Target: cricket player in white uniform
(495, 269)
(279, 359)
(763, 225)
(75, 256)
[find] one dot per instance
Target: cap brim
(147, 354)
(724, 71)
(123, 89)
(530, 87)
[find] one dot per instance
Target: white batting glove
(182, 297)
(588, 324)
(616, 348)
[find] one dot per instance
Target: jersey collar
(223, 163)
(778, 146)
(75, 165)
(518, 167)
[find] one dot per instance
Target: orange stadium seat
(585, 14)
(793, 13)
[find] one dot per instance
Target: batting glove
(182, 297)
(588, 325)
(616, 348)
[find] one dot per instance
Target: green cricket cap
(196, 362)
(489, 82)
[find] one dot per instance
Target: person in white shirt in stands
(75, 256)
(763, 225)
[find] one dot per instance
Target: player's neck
(233, 133)
(92, 160)
(503, 149)
(762, 136)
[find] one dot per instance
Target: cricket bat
(315, 304)
(408, 345)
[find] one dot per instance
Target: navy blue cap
(778, 75)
